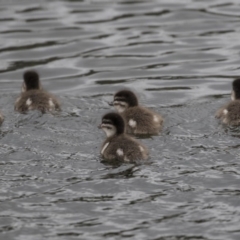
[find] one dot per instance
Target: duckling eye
(108, 127)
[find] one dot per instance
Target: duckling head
(236, 89)
(124, 99)
(31, 81)
(112, 124)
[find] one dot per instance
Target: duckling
(118, 145)
(230, 113)
(139, 120)
(1, 118)
(33, 97)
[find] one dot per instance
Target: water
(180, 57)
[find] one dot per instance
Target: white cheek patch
(51, 104)
(120, 152)
(119, 108)
(132, 123)
(155, 118)
(141, 148)
(225, 111)
(18, 99)
(29, 102)
(23, 87)
(104, 147)
(109, 132)
(233, 96)
(126, 159)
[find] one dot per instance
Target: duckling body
(123, 148)
(33, 97)
(230, 113)
(118, 145)
(138, 119)
(37, 100)
(1, 118)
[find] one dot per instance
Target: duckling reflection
(33, 97)
(118, 145)
(139, 120)
(230, 113)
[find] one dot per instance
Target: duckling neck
(133, 105)
(32, 89)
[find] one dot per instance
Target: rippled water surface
(180, 57)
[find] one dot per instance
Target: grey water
(180, 57)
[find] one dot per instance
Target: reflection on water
(180, 58)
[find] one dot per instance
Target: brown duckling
(230, 113)
(139, 120)
(33, 97)
(118, 145)
(1, 118)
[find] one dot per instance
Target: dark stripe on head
(107, 121)
(236, 88)
(126, 96)
(31, 79)
(114, 119)
(116, 98)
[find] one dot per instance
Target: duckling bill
(118, 145)
(33, 97)
(230, 113)
(139, 120)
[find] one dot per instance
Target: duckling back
(230, 114)
(124, 148)
(37, 100)
(1, 118)
(140, 120)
